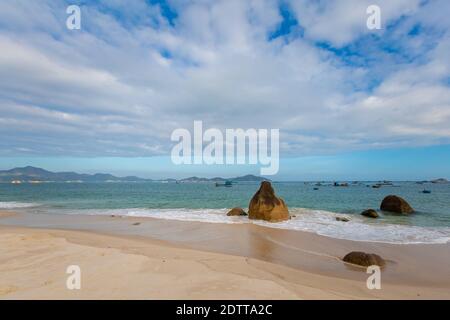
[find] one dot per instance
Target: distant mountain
(33, 174)
(194, 179)
(441, 180)
(246, 178)
(249, 178)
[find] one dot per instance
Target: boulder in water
(364, 259)
(396, 204)
(236, 212)
(266, 206)
(370, 213)
(343, 219)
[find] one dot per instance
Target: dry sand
(33, 263)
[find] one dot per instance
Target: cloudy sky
(349, 101)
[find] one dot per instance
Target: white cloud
(120, 86)
(340, 22)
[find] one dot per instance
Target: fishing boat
(226, 184)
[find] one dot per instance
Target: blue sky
(392, 164)
(349, 102)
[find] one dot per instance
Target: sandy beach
(129, 258)
(226, 149)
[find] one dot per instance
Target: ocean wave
(17, 205)
(317, 221)
(359, 229)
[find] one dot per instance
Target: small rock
(370, 213)
(237, 212)
(136, 223)
(343, 219)
(364, 259)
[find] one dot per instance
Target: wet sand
(297, 264)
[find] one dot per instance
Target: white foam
(358, 229)
(16, 205)
(316, 221)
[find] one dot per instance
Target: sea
(314, 207)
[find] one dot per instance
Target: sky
(350, 103)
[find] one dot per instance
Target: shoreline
(321, 222)
(420, 270)
(122, 268)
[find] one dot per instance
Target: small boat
(345, 184)
(226, 184)
(426, 191)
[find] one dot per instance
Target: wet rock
(364, 259)
(265, 205)
(370, 213)
(237, 212)
(396, 204)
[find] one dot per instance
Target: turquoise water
(315, 210)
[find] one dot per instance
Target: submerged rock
(237, 212)
(370, 213)
(364, 259)
(396, 204)
(441, 180)
(266, 206)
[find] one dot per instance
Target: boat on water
(226, 184)
(336, 184)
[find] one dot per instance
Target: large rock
(236, 212)
(364, 259)
(370, 213)
(395, 204)
(266, 206)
